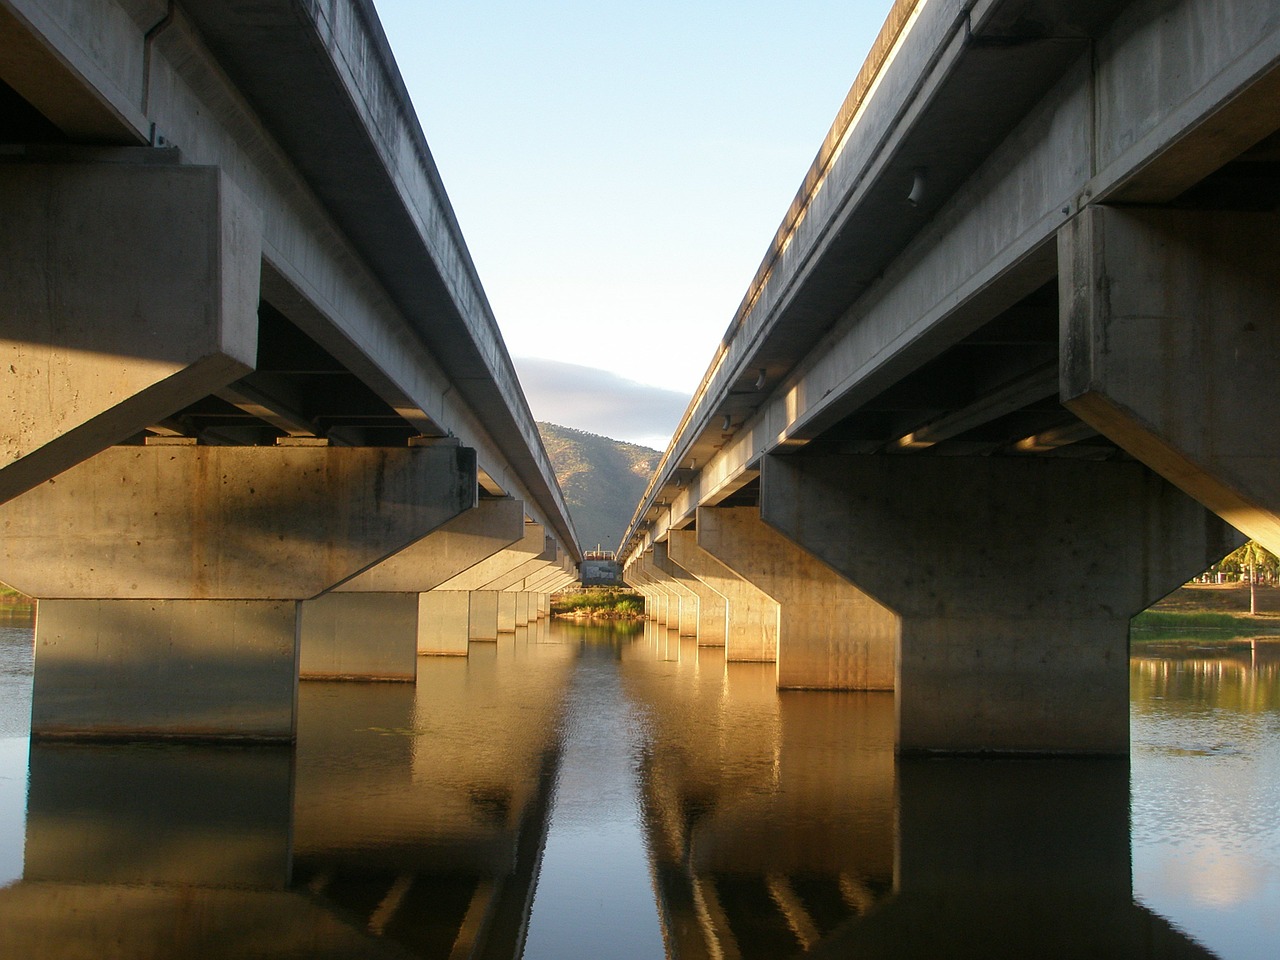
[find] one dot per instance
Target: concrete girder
(752, 616)
(1169, 342)
(712, 609)
(476, 577)
(831, 635)
(1010, 581)
(452, 550)
(151, 572)
(130, 291)
(195, 523)
(374, 626)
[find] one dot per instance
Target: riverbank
(598, 603)
(1210, 615)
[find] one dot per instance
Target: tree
(1250, 557)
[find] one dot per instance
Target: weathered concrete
(1170, 347)
(194, 522)
(665, 606)
(751, 629)
(481, 601)
(444, 623)
(130, 291)
(711, 607)
(831, 635)
(683, 613)
(372, 627)
(506, 612)
(482, 614)
(176, 562)
(359, 636)
(457, 546)
(213, 669)
(1014, 581)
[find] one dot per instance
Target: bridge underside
(259, 408)
(1014, 413)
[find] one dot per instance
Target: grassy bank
(598, 603)
(1210, 614)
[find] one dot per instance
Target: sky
(619, 170)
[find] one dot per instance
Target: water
(616, 793)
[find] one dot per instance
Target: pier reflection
(782, 826)
(416, 829)
(412, 821)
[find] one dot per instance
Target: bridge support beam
(831, 635)
(684, 610)
(666, 603)
(1169, 340)
(169, 576)
(709, 606)
(374, 626)
(130, 290)
(1014, 581)
(470, 591)
(751, 616)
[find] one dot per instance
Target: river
(613, 792)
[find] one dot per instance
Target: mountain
(602, 480)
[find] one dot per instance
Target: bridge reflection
(412, 821)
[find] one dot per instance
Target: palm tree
(1251, 556)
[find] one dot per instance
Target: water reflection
(578, 791)
(1206, 809)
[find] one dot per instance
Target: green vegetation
(1211, 614)
(601, 603)
(15, 606)
(602, 480)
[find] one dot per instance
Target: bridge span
(260, 420)
(1004, 377)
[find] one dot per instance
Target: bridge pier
(1013, 580)
(169, 576)
(711, 606)
(1169, 340)
(831, 635)
(130, 290)
(374, 626)
(751, 616)
(684, 599)
(464, 607)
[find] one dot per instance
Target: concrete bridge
(260, 420)
(1005, 377)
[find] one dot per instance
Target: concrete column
(685, 616)
(129, 292)
(711, 607)
(444, 623)
(544, 605)
(666, 607)
(157, 565)
(751, 628)
(339, 638)
(522, 609)
(1013, 580)
(482, 602)
(482, 614)
(1169, 347)
(831, 635)
(506, 612)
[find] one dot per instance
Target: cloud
(600, 402)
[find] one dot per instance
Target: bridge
(1002, 380)
(260, 421)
